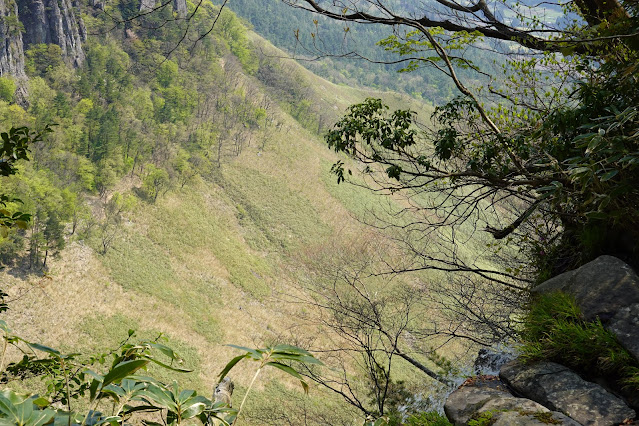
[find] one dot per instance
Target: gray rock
(625, 325)
(468, 402)
(98, 4)
(490, 362)
(224, 391)
(179, 7)
(560, 389)
(600, 287)
(53, 22)
(522, 418)
(147, 5)
(11, 52)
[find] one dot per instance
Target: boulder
(523, 418)
(625, 325)
(601, 287)
(502, 408)
(490, 362)
(560, 389)
(462, 404)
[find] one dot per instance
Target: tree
(370, 324)
(7, 89)
(156, 182)
(487, 18)
(15, 146)
(543, 155)
(515, 180)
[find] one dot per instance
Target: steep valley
(217, 260)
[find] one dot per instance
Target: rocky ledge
(544, 393)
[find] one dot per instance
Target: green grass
(281, 404)
(275, 216)
(191, 229)
(360, 202)
(138, 263)
(555, 330)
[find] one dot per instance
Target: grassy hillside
(215, 261)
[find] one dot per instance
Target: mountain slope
(210, 262)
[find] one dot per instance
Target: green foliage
(279, 356)
(167, 73)
(7, 89)
(15, 146)
(234, 33)
(82, 384)
(577, 165)
(485, 418)
(427, 419)
(369, 123)
(13, 24)
(42, 59)
(554, 329)
(295, 31)
(546, 417)
(414, 46)
(156, 182)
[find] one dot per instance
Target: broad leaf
(123, 369)
(230, 365)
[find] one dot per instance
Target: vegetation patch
(286, 219)
(555, 330)
(137, 263)
(427, 419)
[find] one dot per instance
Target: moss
(485, 418)
(546, 418)
(427, 419)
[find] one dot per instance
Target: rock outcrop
(625, 325)
(11, 52)
(475, 400)
(147, 5)
(605, 289)
(600, 288)
(53, 22)
(179, 7)
(27, 22)
(558, 388)
(489, 362)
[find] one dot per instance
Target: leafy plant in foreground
(113, 394)
(276, 357)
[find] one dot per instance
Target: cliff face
(179, 6)
(11, 52)
(147, 5)
(53, 22)
(27, 22)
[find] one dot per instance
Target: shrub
(7, 89)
